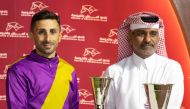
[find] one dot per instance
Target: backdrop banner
(89, 36)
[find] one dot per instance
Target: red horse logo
(16, 26)
(84, 93)
(113, 32)
(88, 8)
(90, 51)
(38, 5)
(67, 28)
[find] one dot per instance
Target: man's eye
(41, 32)
(139, 33)
(153, 33)
(53, 31)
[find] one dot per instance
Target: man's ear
(60, 36)
(31, 35)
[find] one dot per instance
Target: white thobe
(126, 89)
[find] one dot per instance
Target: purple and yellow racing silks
(36, 82)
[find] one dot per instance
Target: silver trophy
(158, 95)
(100, 86)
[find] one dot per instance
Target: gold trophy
(158, 95)
(100, 86)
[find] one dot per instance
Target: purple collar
(36, 57)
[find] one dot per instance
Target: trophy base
(99, 106)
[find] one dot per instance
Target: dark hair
(44, 14)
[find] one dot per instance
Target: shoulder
(116, 69)
(118, 65)
(20, 62)
(171, 68)
(65, 64)
(63, 61)
(168, 62)
(18, 67)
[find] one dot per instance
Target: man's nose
(47, 36)
(147, 38)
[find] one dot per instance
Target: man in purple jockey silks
(42, 80)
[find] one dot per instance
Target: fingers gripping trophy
(100, 86)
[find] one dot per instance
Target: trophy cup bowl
(100, 86)
(158, 95)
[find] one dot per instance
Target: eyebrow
(45, 29)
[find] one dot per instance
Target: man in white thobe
(142, 59)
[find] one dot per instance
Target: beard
(46, 47)
(145, 50)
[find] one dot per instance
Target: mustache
(47, 42)
(147, 44)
